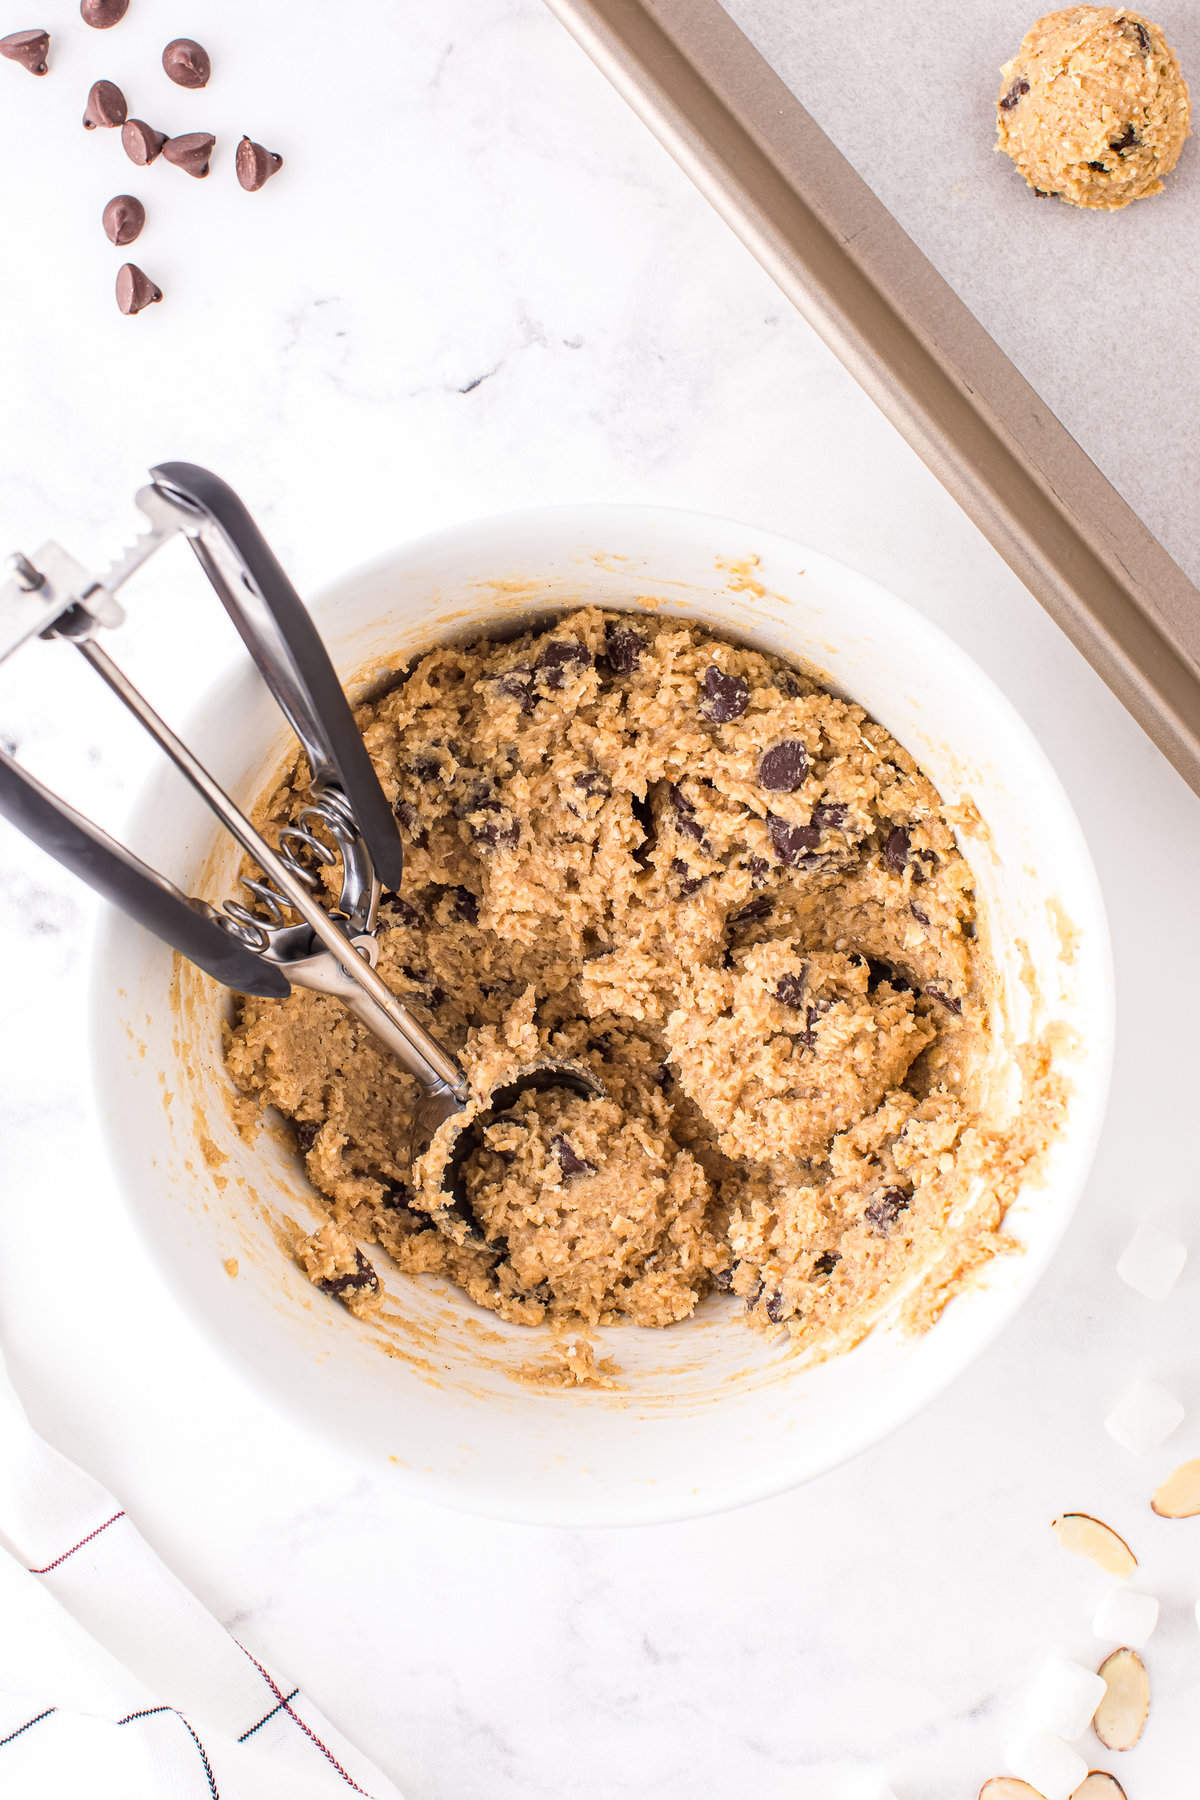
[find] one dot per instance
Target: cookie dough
(1093, 108)
(730, 894)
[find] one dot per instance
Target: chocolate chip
(105, 106)
(688, 883)
(949, 1001)
(123, 219)
(759, 908)
(782, 768)
(623, 647)
(881, 1213)
(141, 143)
(560, 658)
(517, 684)
(922, 918)
(592, 782)
(307, 1132)
(808, 1037)
(1020, 86)
(829, 816)
(191, 152)
(465, 905)
(726, 697)
(409, 821)
(398, 911)
(1128, 140)
(686, 822)
(255, 165)
(135, 289)
(790, 990)
(723, 1279)
(895, 849)
(569, 1160)
(757, 867)
(28, 49)
(791, 686)
(826, 1263)
(755, 1294)
(793, 844)
(361, 1278)
(1103, 167)
(425, 766)
(186, 63)
(102, 13)
(775, 1307)
(499, 833)
(1135, 28)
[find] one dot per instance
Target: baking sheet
(1099, 311)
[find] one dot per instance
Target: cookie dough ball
(792, 1048)
(1094, 108)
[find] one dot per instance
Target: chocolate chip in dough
(517, 684)
(561, 658)
(775, 1307)
(828, 815)
(569, 1160)
(881, 1213)
(465, 905)
(591, 782)
(123, 219)
(409, 821)
(790, 990)
(761, 907)
(101, 14)
(141, 143)
(28, 49)
(689, 884)
(1020, 86)
(623, 647)
(255, 165)
(783, 767)
(360, 1278)
(793, 844)
(949, 1001)
(135, 289)
(105, 107)
(826, 1263)
(1128, 140)
(187, 63)
(895, 849)
(307, 1132)
(191, 152)
(726, 697)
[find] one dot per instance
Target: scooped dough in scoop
(1093, 108)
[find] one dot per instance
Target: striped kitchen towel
(114, 1681)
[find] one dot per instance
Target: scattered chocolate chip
(791, 685)
(761, 907)
(102, 13)
(499, 833)
(255, 165)
(949, 1001)
(726, 697)
(517, 684)
(186, 63)
(623, 647)
(808, 1037)
(686, 822)
(141, 143)
(123, 219)
(790, 990)
(361, 1277)
(28, 49)
(191, 152)
(829, 816)
(398, 911)
(135, 289)
(560, 658)
(826, 1263)
(105, 107)
(1020, 86)
(755, 1294)
(409, 821)
(466, 905)
(1128, 140)
(895, 849)
(592, 782)
(1135, 28)
(882, 1212)
(1103, 167)
(688, 883)
(783, 767)
(775, 1307)
(307, 1133)
(723, 1279)
(569, 1160)
(792, 844)
(426, 766)
(757, 867)
(922, 918)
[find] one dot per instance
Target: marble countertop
(479, 284)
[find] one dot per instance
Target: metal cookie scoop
(291, 939)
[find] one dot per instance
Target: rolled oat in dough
(735, 898)
(1093, 108)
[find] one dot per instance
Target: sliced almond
(1007, 1787)
(1099, 1786)
(1179, 1495)
(1085, 1536)
(1121, 1714)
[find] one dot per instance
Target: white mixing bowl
(710, 1414)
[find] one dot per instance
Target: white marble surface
(479, 284)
